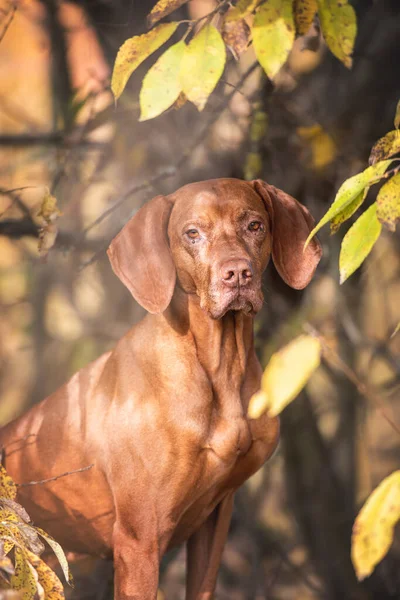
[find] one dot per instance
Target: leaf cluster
(190, 70)
(21, 567)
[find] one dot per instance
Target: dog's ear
(291, 224)
(141, 258)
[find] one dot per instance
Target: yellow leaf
(397, 116)
(388, 200)
(285, 376)
(304, 13)
(358, 242)
(242, 9)
(202, 65)
(52, 586)
(396, 330)
(385, 147)
(134, 51)
(349, 193)
(339, 28)
(273, 35)
(8, 489)
(374, 525)
(236, 35)
(348, 211)
(323, 148)
(162, 9)
(161, 85)
(59, 552)
(48, 213)
(23, 579)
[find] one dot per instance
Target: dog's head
(214, 239)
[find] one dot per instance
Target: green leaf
(339, 28)
(242, 9)
(273, 35)
(388, 201)
(387, 146)
(161, 85)
(373, 529)
(397, 116)
(23, 579)
(202, 65)
(349, 211)
(349, 193)
(162, 9)
(59, 552)
(358, 242)
(285, 376)
(304, 13)
(134, 51)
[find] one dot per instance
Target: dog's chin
(247, 303)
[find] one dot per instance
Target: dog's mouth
(247, 300)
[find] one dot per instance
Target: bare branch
(41, 481)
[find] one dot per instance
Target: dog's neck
(223, 346)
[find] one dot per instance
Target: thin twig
(54, 478)
(361, 387)
(10, 19)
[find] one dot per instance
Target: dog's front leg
(204, 551)
(136, 564)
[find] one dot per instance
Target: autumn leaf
(387, 146)
(304, 13)
(162, 9)
(161, 85)
(52, 586)
(374, 526)
(202, 65)
(349, 193)
(358, 242)
(48, 213)
(242, 9)
(388, 201)
(8, 489)
(323, 148)
(236, 35)
(348, 211)
(397, 117)
(59, 552)
(285, 376)
(339, 27)
(273, 35)
(134, 51)
(23, 579)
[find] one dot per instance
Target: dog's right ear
(141, 258)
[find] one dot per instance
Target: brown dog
(163, 417)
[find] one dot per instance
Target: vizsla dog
(163, 416)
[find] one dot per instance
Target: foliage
(21, 568)
(194, 68)
(361, 237)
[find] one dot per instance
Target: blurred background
(61, 133)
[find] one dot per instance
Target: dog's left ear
(291, 225)
(141, 258)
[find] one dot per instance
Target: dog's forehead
(216, 198)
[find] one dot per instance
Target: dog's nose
(236, 272)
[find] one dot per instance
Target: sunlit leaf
(161, 85)
(396, 330)
(304, 13)
(242, 9)
(397, 116)
(49, 581)
(388, 201)
(374, 526)
(134, 51)
(236, 35)
(202, 65)
(339, 27)
(348, 211)
(162, 9)
(387, 146)
(285, 376)
(273, 34)
(8, 489)
(23, 579)
(358, 242)
(349, 192)
(59, 552)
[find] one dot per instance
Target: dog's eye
(193, 234)
(255, 226)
